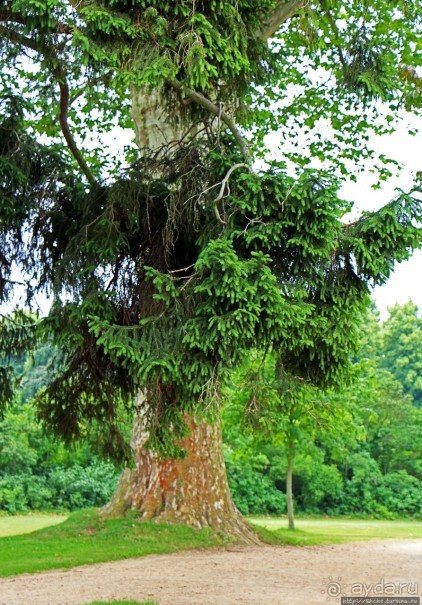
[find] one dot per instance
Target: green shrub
(82, 487)
(12, 495)
(70, 487)
(361, 490)
(253, 492)
(401, 493)
(319, 486)
(37, 472)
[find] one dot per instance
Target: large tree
(166, 265)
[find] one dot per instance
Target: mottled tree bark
(192, 490)
(155, 123)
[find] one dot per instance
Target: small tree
(276, 407)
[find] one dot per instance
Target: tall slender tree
(165, 270)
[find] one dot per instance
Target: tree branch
(336, 33)
(11, 17)
(64, 106)
(6, 15)
(90, 83)
(198, 98)
(76, 4)
(15, 36)
(281, 13)
(58, 73)
(224, 184)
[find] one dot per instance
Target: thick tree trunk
(153, 125)
(289, 486)
(192, 490)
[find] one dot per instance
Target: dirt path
(240, 576)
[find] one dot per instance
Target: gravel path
(266, 575)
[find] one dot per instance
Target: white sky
(406, 282)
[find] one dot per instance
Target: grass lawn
(86, 538)
(24, 524)
(332, 531)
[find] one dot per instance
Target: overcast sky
(406, 282)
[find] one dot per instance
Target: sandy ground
(262, 575)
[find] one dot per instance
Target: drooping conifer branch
(12, 17)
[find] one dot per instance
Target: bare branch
(184, 269)
(281, 13)
(198, 98)
(76, 4)
(224, 185)
(64, 106)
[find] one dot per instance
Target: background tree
(164, 273)
(363, 459)
(359, 452)
(37, 471)
(401, 348)
(286, 411)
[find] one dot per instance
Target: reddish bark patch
(193, 490)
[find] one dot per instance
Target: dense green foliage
(357, 451)
(320, 67)
(36, 471)
(401, 352)
(158, 281)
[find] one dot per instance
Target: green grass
(24, 524)
(333, 531)
(85, 538)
